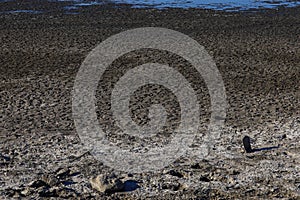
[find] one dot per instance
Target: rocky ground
(257, 53)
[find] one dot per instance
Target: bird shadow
(130, 185)
(265, 148)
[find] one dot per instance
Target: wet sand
(257, 53)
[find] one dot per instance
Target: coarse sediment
(257, 54)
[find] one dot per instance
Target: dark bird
(247, 145)
(248, 148)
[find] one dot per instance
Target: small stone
(25, 192)
(175, 173)
(62, 173)
(67, 193)
(204, 179)
(50, 179)
(234, 172)
(171, 186)
(195, 166)
(38, 183)
(4, 159)
(107, 184)
(48, 192)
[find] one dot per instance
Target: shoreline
(257, 54)
(64, 7)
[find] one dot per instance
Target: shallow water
(23, 11)
(226, 5)
(233, 5)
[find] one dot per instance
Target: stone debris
(107, 183)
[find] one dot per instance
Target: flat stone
(38, 183)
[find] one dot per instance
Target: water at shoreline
(225, 5)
